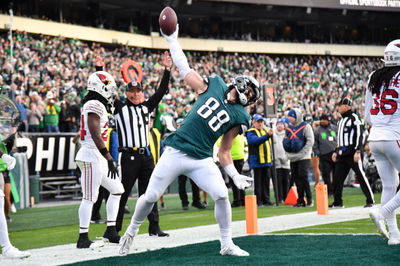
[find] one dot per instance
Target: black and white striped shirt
(133, 120)
(350, 134)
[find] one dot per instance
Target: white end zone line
(63, 254)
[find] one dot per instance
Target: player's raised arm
(190, 76)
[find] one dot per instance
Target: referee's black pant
(182, 191)
(135, 166)
(327, 168)
(342, 168)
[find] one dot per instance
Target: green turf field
(272, 250)
(31, 228)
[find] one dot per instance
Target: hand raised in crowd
(166, 60)
(357, 156)
(99, 61)
(112, 169)
(270, 132)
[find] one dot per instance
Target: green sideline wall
(155, 41)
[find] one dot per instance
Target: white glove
(9, 160)
(173, 37)
(242, 181)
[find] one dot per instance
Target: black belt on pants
(134, 150)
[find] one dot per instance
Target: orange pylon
(292, 196)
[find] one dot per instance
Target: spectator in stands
(316, 80)
(74, 108)
(34, 116)
(22, 110)
(65, 118)
(52, 118)
(34, 97)
(42, 107)
(260, 159)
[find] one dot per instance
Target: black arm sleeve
(99, 68)
(9, 142)
(161, 91)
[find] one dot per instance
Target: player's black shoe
(198, 205)
(158, 233)
(111, 235)
(83, 241)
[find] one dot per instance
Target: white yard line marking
(64, 254)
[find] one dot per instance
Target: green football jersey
(211, 116)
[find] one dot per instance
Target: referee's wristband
(103, 151)
(231, 170)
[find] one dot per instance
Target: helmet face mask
(392, 54)
(104, 84)
(248, 90)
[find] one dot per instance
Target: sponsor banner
(50, 154)
(269, 100)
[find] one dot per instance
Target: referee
(348, 154)
(133, 137)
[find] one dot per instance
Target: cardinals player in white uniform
(382, 112)
(94, 160)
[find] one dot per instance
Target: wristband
(231, 170)
(103, 151)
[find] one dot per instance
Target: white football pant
(204, 172)
(94, 174)
(387, 158)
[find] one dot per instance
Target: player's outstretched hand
(173, 36)
(242, 181)
(112, 169)
(166, 60)
(9, 160)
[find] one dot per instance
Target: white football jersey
(382, 111)
(96, 107)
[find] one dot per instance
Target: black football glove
(112, 169)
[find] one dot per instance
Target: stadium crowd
(55, 69)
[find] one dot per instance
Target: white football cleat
(126, 243)
(233, 250)
(379, 221)
(14, 253)
(394, 238)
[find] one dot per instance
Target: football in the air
(168, 20)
